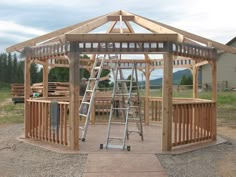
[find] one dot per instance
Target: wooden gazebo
(184, 120)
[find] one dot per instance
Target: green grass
(9, 113)
(4, 93)
(223, 98)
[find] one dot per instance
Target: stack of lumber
(17, 90)
(54, 88)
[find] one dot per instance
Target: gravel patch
(19, 159)
(215, 161)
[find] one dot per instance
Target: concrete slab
(97, 135)
(123, 165)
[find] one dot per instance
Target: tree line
(12, 71)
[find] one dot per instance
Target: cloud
(9, 27)
(23, 19)
(15, 33)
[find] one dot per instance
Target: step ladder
(130, 108)
(88, 98)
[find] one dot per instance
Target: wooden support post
(167, 102)
(45, 80)
(214, 98)
(147, 91)
(27, 91)
(74, 97)
(195, 81)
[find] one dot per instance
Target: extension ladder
(130, 109)
(88, 98)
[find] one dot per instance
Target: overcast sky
(24, 19)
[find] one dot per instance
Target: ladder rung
(84, 115)
(81, 128)
(97, 67)
(131, 131)
(116, 138)
(85, 102)
(135, 118)
(89, 90)
(114, 146)
(120, 108)
(123, 94)
(123, 80)
(133, 106)
(92, 78)
(125, 67)
(117, 123)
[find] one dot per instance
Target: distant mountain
(176, 77)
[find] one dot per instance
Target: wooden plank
(187, 122)
(27, 92)
(39, 120)
(195, 81)
(180, 123)
(117, 30)
(54, 34)
(74, 97)
(147, 92)
(201, 63)
(121, 37)
(117, 17)
(184, 122)
(46, 119)
(45, 80)
(65, 125)
(214, 98)
(191, 121)
(167, 103)
(175, 117)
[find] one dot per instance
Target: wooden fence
(193, 122)
(40, 124)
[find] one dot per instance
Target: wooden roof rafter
(208, 42)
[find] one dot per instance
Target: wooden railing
(40, 125)
(155, 109)
(193, 122)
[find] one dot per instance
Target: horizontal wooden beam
(202, 63)
(117, 30)
(121, 37)
(117, 18)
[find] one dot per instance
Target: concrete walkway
(123, 165)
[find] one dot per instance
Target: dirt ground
(19, 159)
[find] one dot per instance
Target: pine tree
(14, 69)
(105, 83)
(20, 72)
(9, 68)
(33, 73)
(1, 69)
(4, 68)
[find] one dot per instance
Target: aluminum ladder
(130, 109)
(88, 98)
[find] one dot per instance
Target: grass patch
(9, 113)
(5, 92)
